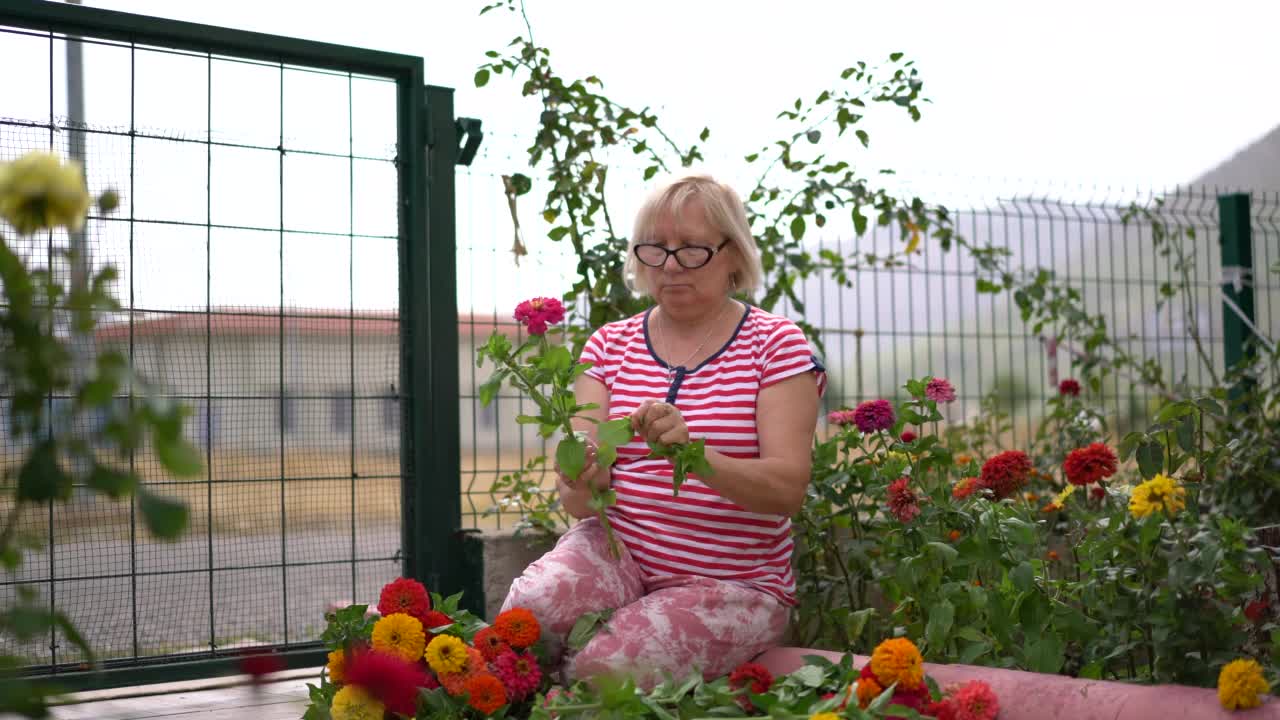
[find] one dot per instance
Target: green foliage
(44, 332)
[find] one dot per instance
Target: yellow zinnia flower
(400, 635)
(1240, 684)
(824, 716)
(38, 192)
(446, 654)
(898, 660)
(1160, 493)
(1061, 498)
(337, 667)
(355, 703)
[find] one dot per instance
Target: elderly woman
(705, 577)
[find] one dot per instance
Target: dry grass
(247, 495)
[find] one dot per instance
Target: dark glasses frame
(710, 253)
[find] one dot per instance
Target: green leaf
(943, 551)
(972, 651)
(941, 617)
(797, 227)
(1150, 458)
(489, 390)
(1173, 411)
(615, 433)
(809, 676)
(1045, 654)
(586, 628)
(482, 77)
(863, 137)
(41, 477)
(571, 455)
(178, 456)
(165, 517)
(1023, 576)
(1186, 434)
(859, 221)
(112, 482)
(557, 359)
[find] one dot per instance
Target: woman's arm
(775, 483)
(574, 496)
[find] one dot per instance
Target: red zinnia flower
(752, 676)
(490, 644)
(434, 619)
(917, 699)
(1255, 611)
(259, 666)
(486, 694)
(873, 415)
(1089, 464)
(392, 680)
(941, 710)
(907, 436)
(840, 417)
(1069, 387)
(537, 313)
(975, 700)
(964, 488)
(518, 627)
(1098, 492)
(903, 502)
(519, 673)
(954, 535)
(1005, 473)
(404, 595)
(940, 390)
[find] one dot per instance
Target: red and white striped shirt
(700, 532)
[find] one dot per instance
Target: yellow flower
(38, 192)
(337, 667)
(898, 660)
(824, 716)
(446, 654)
(355, 703)
(1061, 498)
(400, 635)
(1160, 493)
(1240, 684)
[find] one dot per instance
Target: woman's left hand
(660, 423)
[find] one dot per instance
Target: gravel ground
(182, 606)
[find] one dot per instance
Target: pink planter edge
(1035, 696)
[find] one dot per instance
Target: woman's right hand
(593, 475)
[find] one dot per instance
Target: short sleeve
(787, 352)
(596, 352)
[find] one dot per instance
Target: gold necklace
(671, 368)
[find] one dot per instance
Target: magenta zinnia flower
(840, 417)
(1069, 387)
(519, 673)
(538, 313)
(940, 390)
(903, 502)
(873, 415)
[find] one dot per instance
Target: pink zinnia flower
(907, 436)
(903, 502)
(537, 313)
(519, 673)
(840, 417)
(873, 415)
(975, 700)
(940, 390)
(1069, 387)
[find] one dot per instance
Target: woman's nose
(671, 265)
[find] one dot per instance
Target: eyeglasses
(690, 257)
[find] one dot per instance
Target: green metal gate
(286, 248)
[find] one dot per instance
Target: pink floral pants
(672, 625)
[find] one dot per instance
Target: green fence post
(432, 510)
(1237, 277)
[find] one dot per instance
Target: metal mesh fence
(925, 318)
(257, 248)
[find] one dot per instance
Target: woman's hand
(660, 423)
(593, 475)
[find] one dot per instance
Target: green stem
(10, 526)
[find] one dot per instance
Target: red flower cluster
(537, 313)
(518, 627)
(873, 415)
(490, 644)
(1069, 387)
(408, 596)
(434, 619)
(1256, 611)
(975, 700)
(840, 417)
(940, 390)
(907, 436)
(751, 676)
(965, 488)
(1089, 464)
(391, 679)
(519, 673)
(1005, 473)
(903, 501)
(1098, 492)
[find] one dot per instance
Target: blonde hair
(723, 210)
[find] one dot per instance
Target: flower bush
(1009, 566)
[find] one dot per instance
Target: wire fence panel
(258, 248)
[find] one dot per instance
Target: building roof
(255, 322)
